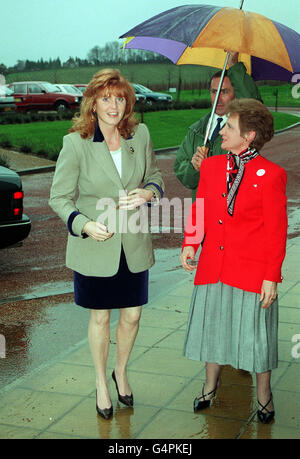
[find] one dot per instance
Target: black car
(151, 96)
(14, 225)
(7, 100)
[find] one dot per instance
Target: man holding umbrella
(236, 84)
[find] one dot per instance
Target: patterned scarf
(235, 173)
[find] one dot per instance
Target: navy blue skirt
(123, 290)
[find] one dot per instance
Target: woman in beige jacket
(105, 172)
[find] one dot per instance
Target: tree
(94, 55)
(113, 53)
(70, 63)
(3, 69)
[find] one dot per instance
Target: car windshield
(50, 87)
(71, 89)
(142, 89)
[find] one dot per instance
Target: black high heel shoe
(106, 413)
(267, 417)
(126, 399)
(201, 404)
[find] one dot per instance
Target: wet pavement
(44, 322)
(47, 375)
(57, 400)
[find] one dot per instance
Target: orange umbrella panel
(250, 33)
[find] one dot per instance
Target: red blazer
(244, 249)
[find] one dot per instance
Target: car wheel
(60, 105)
(149, 102)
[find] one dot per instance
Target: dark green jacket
(244, 87)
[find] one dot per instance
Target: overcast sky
(31, 29)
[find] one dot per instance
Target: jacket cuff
(75, 224)
(158, 192)
(273, 275)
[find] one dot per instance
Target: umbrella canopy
(198, 34)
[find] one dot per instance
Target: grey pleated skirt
(228, 326)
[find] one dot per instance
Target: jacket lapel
(128, 160)
(101, 155)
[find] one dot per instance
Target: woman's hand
(268, 293)
(135, 198)
(188, 253)
(97, 231)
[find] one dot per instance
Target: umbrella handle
(216, 100)
(218, 92)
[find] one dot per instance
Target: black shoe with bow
(106, 413)
(264, 415)
(126, 399)
(200, 403)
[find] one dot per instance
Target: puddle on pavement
(37, 333)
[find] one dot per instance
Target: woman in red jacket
(233, 318)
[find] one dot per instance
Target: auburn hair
(253, 116)
(107, 81)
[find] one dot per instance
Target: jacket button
(224, 195)
(221, 247)
(220, 221)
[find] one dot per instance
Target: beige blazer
(86, 181)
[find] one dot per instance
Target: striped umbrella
(198, 34)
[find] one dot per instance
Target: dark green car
(14, 224)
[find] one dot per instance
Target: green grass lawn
(167, 129)
(43, 138)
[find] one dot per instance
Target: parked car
(151, 96)
(81, 87)
(69, 89)
(14, 224)
(139, 98)
(41, 95)
(7, 100)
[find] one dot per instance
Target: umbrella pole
(218, 92)
(216, 100)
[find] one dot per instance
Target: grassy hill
(162, 75)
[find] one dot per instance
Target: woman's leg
(127, 330)
(98, 335)
(213, 371)
(263, 387)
